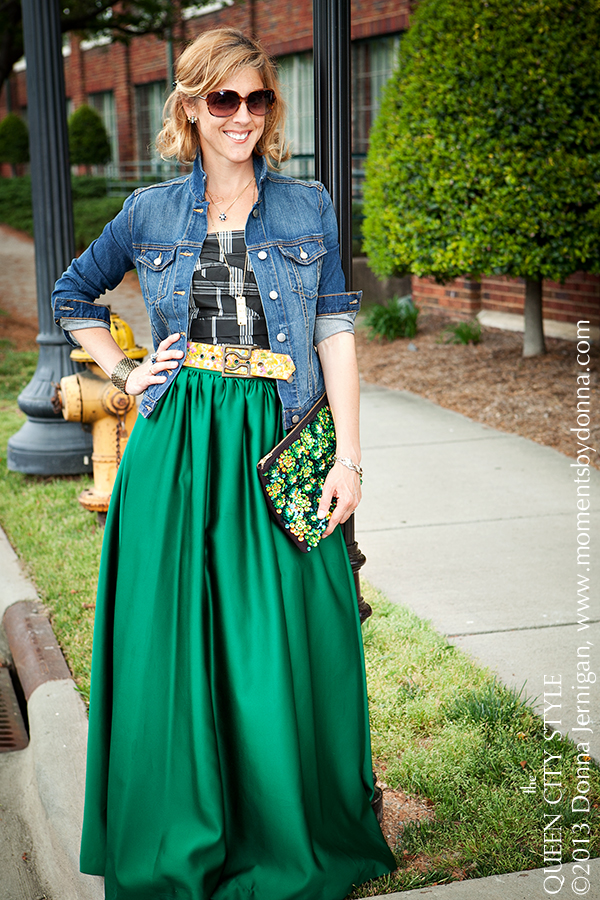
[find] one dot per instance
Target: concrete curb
(54, 788)
(513, 886)
(51, 776)
(33, 647)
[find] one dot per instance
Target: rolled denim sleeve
(332, 304)
(325, 326)
(74, 324)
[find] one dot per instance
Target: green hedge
(92, 209)
(485, 157)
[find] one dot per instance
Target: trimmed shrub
(485, 157)
(14, 140)
(88, 141)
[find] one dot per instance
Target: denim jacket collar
(198, 178)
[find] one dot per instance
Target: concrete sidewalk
(476, 530)
(473, 529)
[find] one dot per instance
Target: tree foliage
(122, 19)
(88, 141)
(485, 157)
(14, 140)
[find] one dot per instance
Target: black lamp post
(333, 162)
(47, 444)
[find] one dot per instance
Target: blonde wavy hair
(203, 67)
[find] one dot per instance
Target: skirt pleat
(229, 750)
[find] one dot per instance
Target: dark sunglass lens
(223, 103)
(260, 102)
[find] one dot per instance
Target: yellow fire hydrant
(91, 398)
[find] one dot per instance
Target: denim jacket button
(281, 337)
(255, 213)
(262, 254)
(273, 295)
(295, 420)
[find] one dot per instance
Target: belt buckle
(236, 361)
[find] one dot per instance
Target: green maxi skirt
(229, 750)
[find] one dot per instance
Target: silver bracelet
(121, 373)
(346, 461)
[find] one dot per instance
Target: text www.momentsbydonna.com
(574, 873)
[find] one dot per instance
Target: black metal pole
(333, 161)
(333, 136)
(47, 444)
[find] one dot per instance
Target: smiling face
(229, 140)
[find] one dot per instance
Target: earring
(192, 120)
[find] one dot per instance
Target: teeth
(236, 136)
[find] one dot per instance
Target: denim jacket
(292, 239)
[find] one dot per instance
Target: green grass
(92, 209)
(56, 538)
(442, 727)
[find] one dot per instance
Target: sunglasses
(226, 103)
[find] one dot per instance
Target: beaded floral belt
(239, 360)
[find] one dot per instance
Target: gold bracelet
(121, 372)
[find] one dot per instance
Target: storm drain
(13, 734)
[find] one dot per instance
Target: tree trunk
(533, 339)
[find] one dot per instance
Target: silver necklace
(223, 213)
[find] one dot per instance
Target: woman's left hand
(344, 484)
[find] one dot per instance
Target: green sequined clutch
(293, 473)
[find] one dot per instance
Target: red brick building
(563, 304)
(128, 85)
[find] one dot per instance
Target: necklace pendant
(240, 309)
(222, 216)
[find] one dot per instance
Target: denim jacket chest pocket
(155, 267)
(303, 262)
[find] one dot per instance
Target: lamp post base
(42, 447)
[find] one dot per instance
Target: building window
(149, 102)
(297, 83)
(372, 65)
(104, 104)
(194, 12)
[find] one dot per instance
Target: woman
(229, 751)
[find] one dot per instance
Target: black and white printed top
(213, 318)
